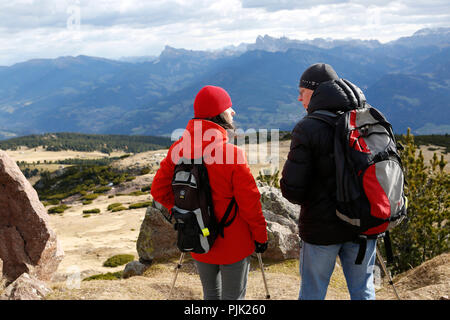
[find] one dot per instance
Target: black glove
(260, 247)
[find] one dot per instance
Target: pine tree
(425, 234)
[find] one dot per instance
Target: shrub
(105, 276)
(85, 202)
(59, 209)
(51, 202)
(102, 189)
(119, 208)
(58, 196)
(91, 196)
(114, 205)
(425, 233)
(118, 260)
(92, 211)
(147, 188)
(271, 179)
(139, 205)
(137, 193)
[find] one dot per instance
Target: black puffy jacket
(309, 174)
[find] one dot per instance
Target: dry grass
(40, 154)
(282, 278)
(430, 281)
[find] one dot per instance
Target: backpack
(193, 210)
(369, 174)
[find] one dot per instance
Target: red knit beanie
(210, 102)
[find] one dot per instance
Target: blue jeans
(317, 264)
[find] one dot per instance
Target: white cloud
(115, 28)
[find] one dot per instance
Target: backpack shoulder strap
(324, 115)
(223, 222)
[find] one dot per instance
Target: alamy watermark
(262, 146)
(73, 280)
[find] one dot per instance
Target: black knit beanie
(316, 74)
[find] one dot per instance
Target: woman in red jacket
(224, 269)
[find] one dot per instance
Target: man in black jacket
(309, 179)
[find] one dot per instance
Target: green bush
(85, 202)
(105, 276)
(51, 202)
(59, 209)
(139, 205)
(147, 188)
(90, 196)
(102, 189)
(119, 208)
(137, 193)
(92, 211)
(118, 260)
(271, 179)
(114, 205)
(58, 196)
(425, 234)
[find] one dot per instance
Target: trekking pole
(176, 274)
(391, 282)
(264, 276)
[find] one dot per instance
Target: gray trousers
(224, 282)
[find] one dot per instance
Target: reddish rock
(27, 244)
(27, 287)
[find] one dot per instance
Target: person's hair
(219, 119)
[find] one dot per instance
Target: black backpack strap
(223, 222)
(324, 116)
(388, 248)
(362, 241)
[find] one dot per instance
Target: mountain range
(407, 79)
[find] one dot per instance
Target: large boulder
(282, 224)
(26, 287)
(2, 280)
(157, 238)
(27, 243)
(273, 200)
(284, 241)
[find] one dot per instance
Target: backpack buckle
(364, 131)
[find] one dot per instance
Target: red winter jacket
(206, 138)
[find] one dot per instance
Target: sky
(112, 29)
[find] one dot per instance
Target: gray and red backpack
(369, 172)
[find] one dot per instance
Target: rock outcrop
(272, 200)
(26, 287)
(284, 242)
(27, 243)
(157, 237)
